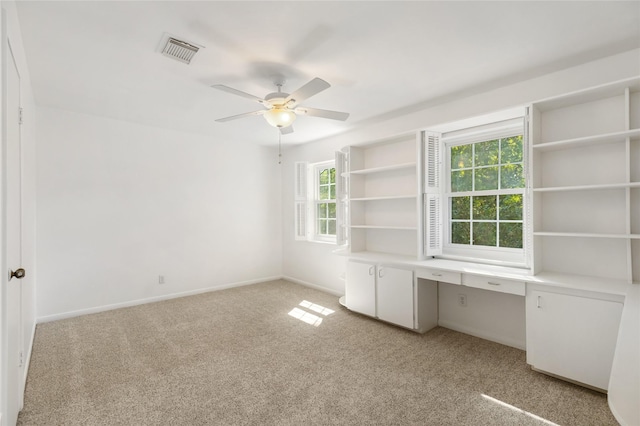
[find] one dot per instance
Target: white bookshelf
(585, 181)
(383, 197)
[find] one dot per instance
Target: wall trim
(97, 309)
(314, 286)
(482, 334)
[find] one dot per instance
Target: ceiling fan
(282, 108)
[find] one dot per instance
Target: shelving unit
(383, 208)
(586, 182)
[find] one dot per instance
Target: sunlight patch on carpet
(316, 308)
(519, 410)
(308, 317)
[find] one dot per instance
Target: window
(315, 202)
(325, 201)
(484, 193)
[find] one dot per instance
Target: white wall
(120, 204)
(314, 263)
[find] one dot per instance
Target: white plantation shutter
(432, 194)
(341, 198)
(301, 203)
(433, 224)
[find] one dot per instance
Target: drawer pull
(436, 275)
(492, 283)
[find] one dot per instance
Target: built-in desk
(571, 321)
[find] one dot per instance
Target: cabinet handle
(538, 303)
(436, 275)
(372, 270)
(380, 274)
(492, 283)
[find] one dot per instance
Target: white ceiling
(102, 58)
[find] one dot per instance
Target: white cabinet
(572, 335)
(360, 288)
(395, 296)
(392, 295)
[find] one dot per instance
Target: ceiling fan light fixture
(280, 117)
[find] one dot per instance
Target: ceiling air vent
(179, 50)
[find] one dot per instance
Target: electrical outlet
(462, 300)
(160, 279)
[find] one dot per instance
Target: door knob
(18, 273)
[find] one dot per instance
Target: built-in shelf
(588, 187)
(391, 197)
(589, 140)
(585, 235)
(381, 169)
(400, 228)
(589, 95)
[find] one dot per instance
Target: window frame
(484, 254)
(314, 192)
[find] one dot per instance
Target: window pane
(486, 178)
(511, 149)
(332, 175)
(332, 227)
(322, 211)
(332, 192)
(460, 208)
(322, 226)
(511, 235)
(484, 208)
(484, 234)
(487, 153)
(323, 192)
(324, 176)
(461, 156)
(511, 176)
(460, 233)
(511, 207)
(332, 209)
(461, 181)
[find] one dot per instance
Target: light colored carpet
(236, 357)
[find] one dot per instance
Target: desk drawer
(439, 275)
(495, 284)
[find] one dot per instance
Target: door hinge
(21, 359)
(20, 115)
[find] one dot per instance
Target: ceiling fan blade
(314, 112)
(313, 87)
(239, 93)
(286, 130)
(246, 114)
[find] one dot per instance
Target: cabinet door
(395, 296)
(571, 336)
(360, 288)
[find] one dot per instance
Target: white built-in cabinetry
(383, 191)
(586, 228)
(586, 183)
(391, 294)
(572, 334)
(583, 233)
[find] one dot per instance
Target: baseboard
(482, 334)
(314, 286)
(97, 309)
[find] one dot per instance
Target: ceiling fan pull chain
(279, 147)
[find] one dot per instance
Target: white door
(12, 302)
(395, 296)
(360, 288)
